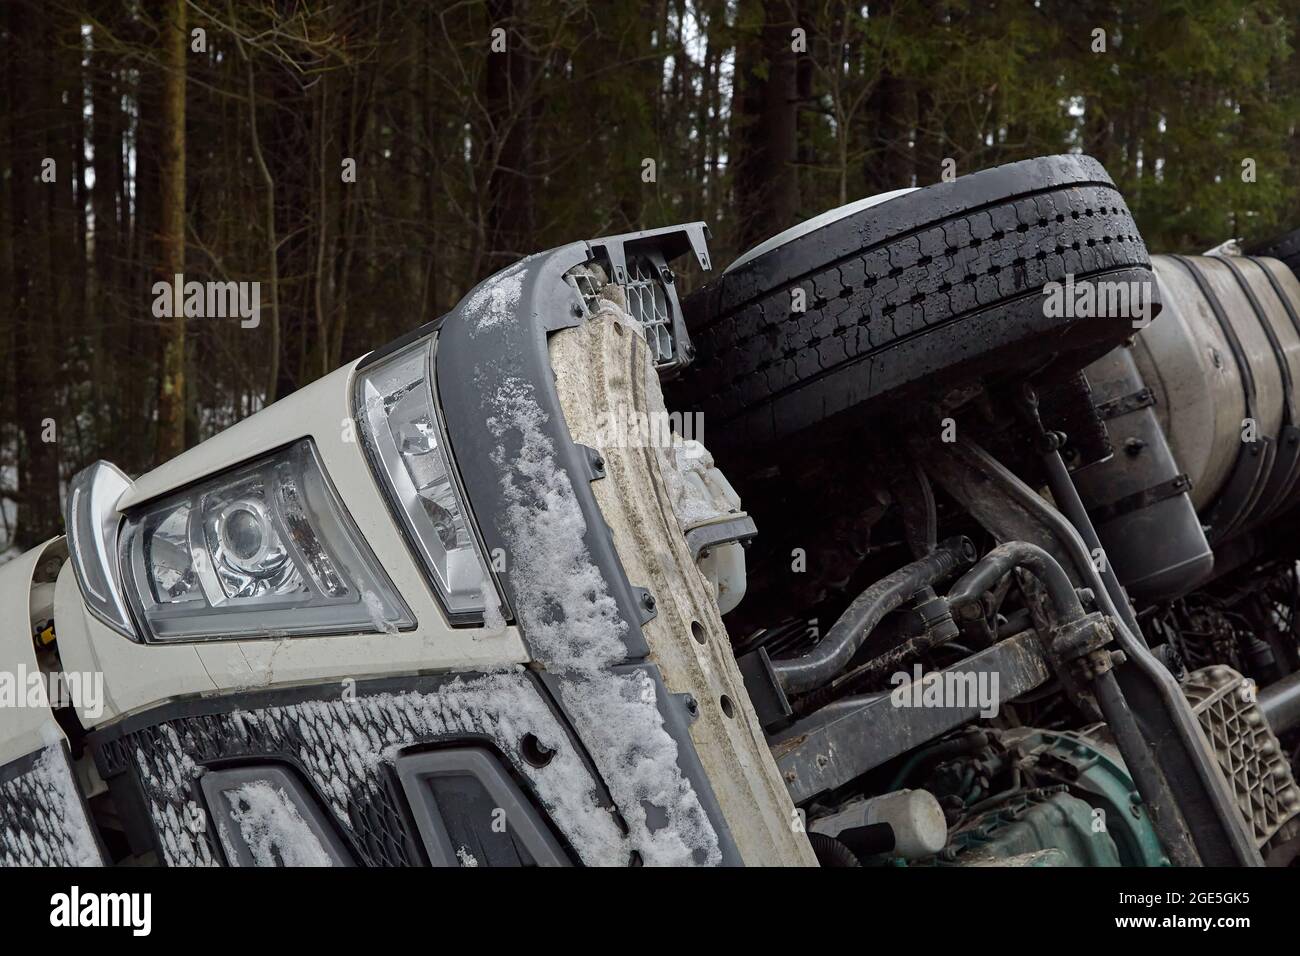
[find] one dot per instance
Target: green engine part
(1086, 810)
(1043, 827)
(1094, 772)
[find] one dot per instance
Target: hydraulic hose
(1280, 703)
(831, 852)
(1018, 554)
(833, 653)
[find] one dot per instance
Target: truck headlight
(264, 550)
(407, 448)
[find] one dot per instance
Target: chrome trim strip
(93, 522)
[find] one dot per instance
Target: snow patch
(272, 827)
(168, 772)
(42, 819)
(375, 608)
(493, 619)
(573, 624)
(567, 611)
(496, 298)
(687, 468)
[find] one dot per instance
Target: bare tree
(171, 259)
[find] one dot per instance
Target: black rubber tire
(929, 289)
(1285, 247)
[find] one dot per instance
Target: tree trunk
(766, 179)
(107, 240)
(31, 203)
(889, 163)
(171, 381)
(508, 78)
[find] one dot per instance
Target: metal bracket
(595, 462)
(1078, 638)
(688, 704)
(1245, 485)
(1142, 398)
(657, 247)
(764, 690)
(1141, 499)
(646, 604)
(671, 241)
(699, 540)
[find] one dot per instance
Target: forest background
(367, 163)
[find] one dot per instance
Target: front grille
(344, 748)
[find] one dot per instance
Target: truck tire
(924, 290)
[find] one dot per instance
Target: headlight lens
(406, 445)
(265, 550)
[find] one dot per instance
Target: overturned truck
(948, 528)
